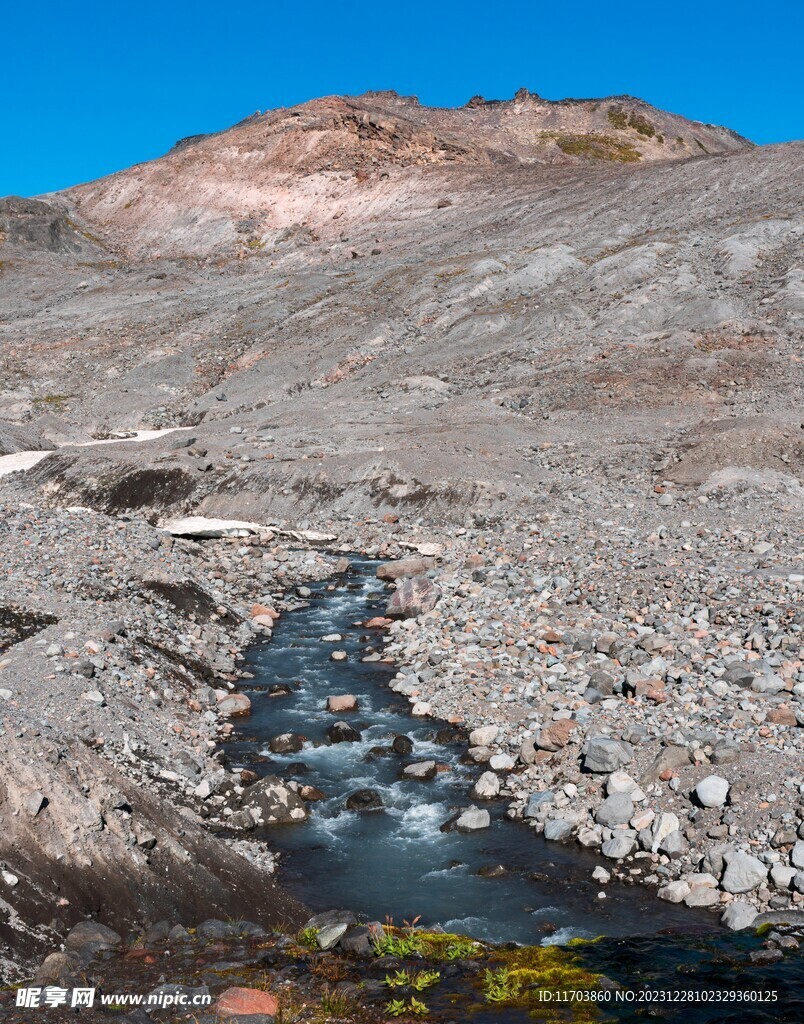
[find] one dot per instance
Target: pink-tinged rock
(342, 702)
(234, 704)
(245, 1002)
(404, 567)
(556, 735)
(263, 609)
(378, 622)
(263, 620)
(413, 597)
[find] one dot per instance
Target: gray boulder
(557, 830)
(743, 872)
(604, 754)
(617, 809)
(738, 915)
(618, 847)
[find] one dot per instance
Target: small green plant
(308, 938)
(399, 1008)
(418, 980)
(399, 980)
(500, 986)
(460, 949)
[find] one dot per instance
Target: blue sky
(87, 88)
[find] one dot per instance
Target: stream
(396, 862)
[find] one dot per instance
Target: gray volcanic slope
(415, 308)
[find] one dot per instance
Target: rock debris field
(541, 359)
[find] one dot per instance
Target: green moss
(533, 976)
(617, 117)
(598, 147)
(641, 125)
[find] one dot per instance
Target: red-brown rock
(243, 1002)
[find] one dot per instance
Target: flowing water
(396, 861)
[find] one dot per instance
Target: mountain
(368, 287)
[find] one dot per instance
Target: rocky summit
(542, 360)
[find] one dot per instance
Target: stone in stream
(422, 771)
(279, 690)
(340, 703)
(470, 820)
(738, 915)
(557, 830)
(364, 800)
(603, 754)
(342, 732)
(234, 704)
(402, 745)
(338, 656)
(286, 743)
(413, 597)
(712, 791)
(487, 787)
(271, 802)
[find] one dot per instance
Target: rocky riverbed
(633, 685)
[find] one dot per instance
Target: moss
(641, 125)
(617, 117)
(598, 147)
(52, 400)
(701, 145)
(525, 977)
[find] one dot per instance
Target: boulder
(402, 745)
(272, 802)
(674, 892)
(538, 802)
(422, 771)
(557, 830)
(618, 847)
(670, 758)
(364, 800)
(246, 1002)
(617, 809)
(286, 743)
(94, 932)
(341, 703)
(738, 915)
(486, 787)
(403, 567)
(712, 791)
(342, 732)
(472, 819)
(743, 873)
(413, 596)
(556, 735)
(234, 704)
(603, 754)
(797, 855)
(484, 736)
